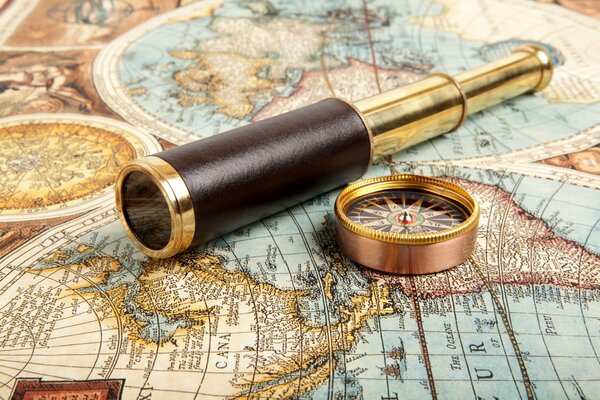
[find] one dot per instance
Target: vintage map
(275, 310)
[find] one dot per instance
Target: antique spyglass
(187, 195)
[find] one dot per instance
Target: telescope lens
(146, 210)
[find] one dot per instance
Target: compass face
(406, 212)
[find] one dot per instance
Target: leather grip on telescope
(251, 172)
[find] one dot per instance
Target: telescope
(173, 200)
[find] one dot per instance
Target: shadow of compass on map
(56, 165)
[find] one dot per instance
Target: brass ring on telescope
(175, 193)
(463, 98)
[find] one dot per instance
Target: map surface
(275, 310)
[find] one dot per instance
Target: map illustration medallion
(56, 165)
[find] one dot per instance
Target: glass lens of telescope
(146, 211)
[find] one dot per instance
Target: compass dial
(406, 212)
(406, 224)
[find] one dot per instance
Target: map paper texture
(275, 309)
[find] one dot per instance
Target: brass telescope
(187, 195)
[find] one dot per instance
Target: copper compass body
(406, 224)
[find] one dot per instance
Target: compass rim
(436, 186)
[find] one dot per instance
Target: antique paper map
(275, 310)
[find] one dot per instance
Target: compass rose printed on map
(57, 165)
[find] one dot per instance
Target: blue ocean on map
(517, 124)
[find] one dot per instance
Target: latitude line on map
(574, 142)
(534, 234)
(579, 288)
(45, 277)
(500, 282)
(545, 119)
(458, 312)
(243, 332)
(68, 326)
(462, 348)
(64, 318)
(246, 351)
(257, 342)
(37, 374)
(520, 131)
(422, 340)
(323, 297)
(159, 389)
(351, 354)
(509, 331)
(421, 380)
(297, 299)
(101, 330)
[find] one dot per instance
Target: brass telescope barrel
(187, 195)
(440, 103)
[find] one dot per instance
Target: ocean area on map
(195, 104)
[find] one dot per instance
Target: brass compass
(406, 224)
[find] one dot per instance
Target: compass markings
(392, 205)
(382, 212)
(416, 206)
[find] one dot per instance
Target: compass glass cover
(406, 212)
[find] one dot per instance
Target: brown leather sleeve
(251, 172)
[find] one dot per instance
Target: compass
(406, 224)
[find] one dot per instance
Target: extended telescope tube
(187, 195)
